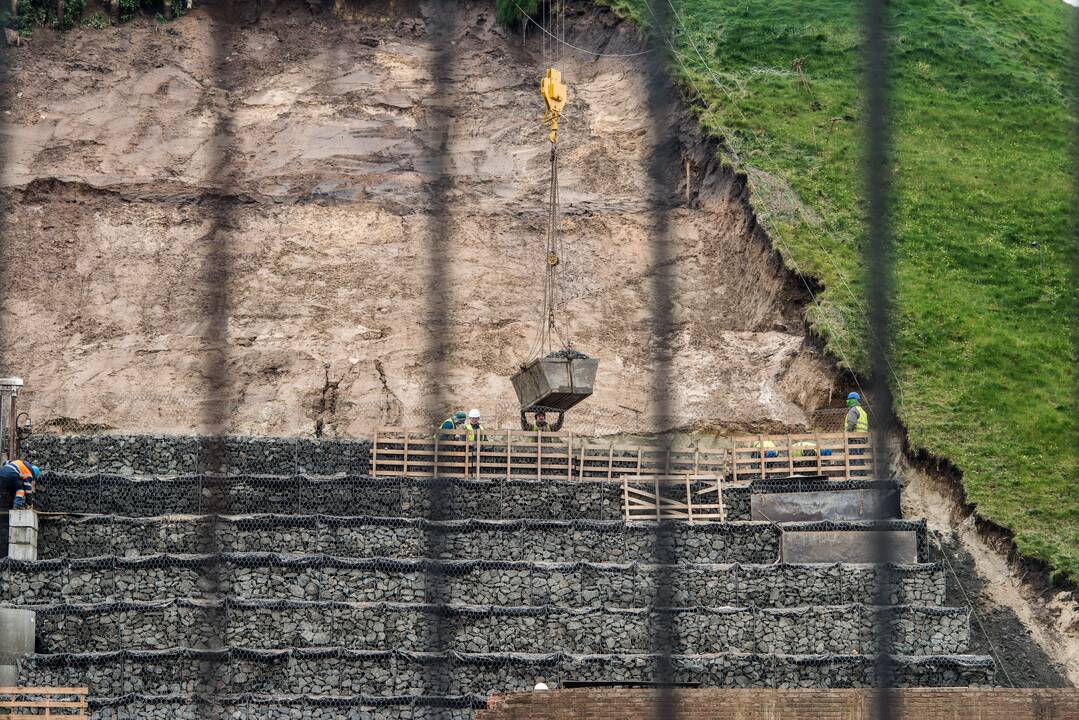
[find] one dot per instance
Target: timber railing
(693, 498)
(840, 456)
(29, 703)
(397, 452)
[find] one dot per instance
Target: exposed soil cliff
(300, 146)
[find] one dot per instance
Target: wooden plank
(42, 704)
(35, 690)
(689, 500)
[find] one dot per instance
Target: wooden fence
(566, 456)
(840, 456)
(693, 498)
(34, 703)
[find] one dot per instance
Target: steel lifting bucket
(558, 381)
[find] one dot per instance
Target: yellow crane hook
(554, 95)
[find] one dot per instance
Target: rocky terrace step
(385, 497)
(336, 671)
(523, 540)
(268, 624)
(323, 577)
(279, 706)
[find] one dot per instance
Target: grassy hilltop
(981, 206)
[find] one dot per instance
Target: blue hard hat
(36, 471)
(460, 415)
(854, 396)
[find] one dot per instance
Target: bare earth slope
(312, 132)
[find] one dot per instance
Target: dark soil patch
(995, 630)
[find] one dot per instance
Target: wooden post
(166, 9)
(689, 500)
(760, 443)
(846, 454)
(539, 453)
(569, 458)
(719, 491)
(60, 13)
(435, 468)
(374, 456)
(820, 449)
(790, 456)
(610, 461)
(655, 480)
(625, 496)
(467, 453)
(405, 470)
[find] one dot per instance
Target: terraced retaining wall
(320, 577)
(367, 537)
(188, 454)
(840, 629)
(349, 495)
(340, 671)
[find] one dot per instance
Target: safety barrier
(34, 702)
(540, 455)
(565, 456)
(842, 456)
(699, 498)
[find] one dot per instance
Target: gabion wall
(188, 454)
(340, 671)
(271, 625)
(367, 537)
(139, 706)
(107, 494)
(319, 577)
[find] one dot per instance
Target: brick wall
(722, 704)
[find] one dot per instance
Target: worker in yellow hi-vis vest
(473, 427)
(857, 417)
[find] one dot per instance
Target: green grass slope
(981, 153)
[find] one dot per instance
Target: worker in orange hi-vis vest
(19, 477)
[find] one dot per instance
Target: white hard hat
(474, 413)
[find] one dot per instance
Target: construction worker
(20, 477)
(769, 449)
(539, 422)
(473, 427)
(453, 422)
(857, 417)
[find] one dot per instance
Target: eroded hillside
(301, 146)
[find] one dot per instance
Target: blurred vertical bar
(879, 281)
(216, 198)
(9, 58)
(663, 184)
(438, 183)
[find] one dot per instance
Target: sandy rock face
(240, 211)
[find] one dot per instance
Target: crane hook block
(554, 96)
